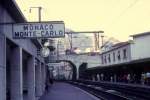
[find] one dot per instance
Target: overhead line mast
(96, 37)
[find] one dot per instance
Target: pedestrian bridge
(92, 60)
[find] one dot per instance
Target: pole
(98, 41)
(39, 16)
(96, 38)
(57, 50)
(40, 8)
(71, 42)
(102, 37)
(39, 12)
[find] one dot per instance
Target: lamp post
(102, 38)
(39, 12)
(51, 68)
(46, 44)
(58, 43)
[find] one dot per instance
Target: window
(109, 58)
(105, 59)
(119, 55)
(114, 56)
(102, 59)
(124, 53)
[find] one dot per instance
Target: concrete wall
(16, 89)
(92, 60)
(140, 48)
(2, 67)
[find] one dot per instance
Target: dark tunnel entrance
(82, 69)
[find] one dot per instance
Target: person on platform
(111, 79)
(143, 78)
(128, 78)
(51, 81)
(48, 83)
(148, 78)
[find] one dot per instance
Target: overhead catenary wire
(123, 12)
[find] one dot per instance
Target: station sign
(51, 29)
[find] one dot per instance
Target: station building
(22, 70)
(131, 57)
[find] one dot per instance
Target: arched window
(114, 56)
(124, 53)
(109, 59)
(105, 59)
(119, 58)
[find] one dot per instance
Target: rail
(105, 91)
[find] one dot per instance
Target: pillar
(16, 74)
(2, 67)
(31, 78)
(43, 76)
(38, 80)
(115, 78)
(93, 78)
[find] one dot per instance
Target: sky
(117, 18)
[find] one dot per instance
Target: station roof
(120, 44)
(140, 34)
(13, 10)
(116, 46)
(121, 64)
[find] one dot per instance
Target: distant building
(108, 44)
(135, 49)
(122, 59)
(119, 53)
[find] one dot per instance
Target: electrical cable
(123, 12)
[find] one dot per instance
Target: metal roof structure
(121, 64)
(140, 34)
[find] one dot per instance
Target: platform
(64, 91)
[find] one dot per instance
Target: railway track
(110, 92)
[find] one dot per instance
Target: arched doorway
(63, 70)
(74, 76)
(82, 69)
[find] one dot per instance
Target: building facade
(22, 71)
(119, 53)
(131, 58)
(122, 52)
(140, 48)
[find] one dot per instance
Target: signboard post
(52, 29)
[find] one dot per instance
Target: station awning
(138, 61)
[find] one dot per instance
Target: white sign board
(52, 29)
(53, 64)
